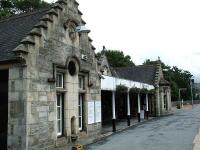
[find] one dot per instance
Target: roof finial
(159, 61)
(104, 49)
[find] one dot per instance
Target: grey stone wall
(17, 96)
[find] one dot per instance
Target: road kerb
(196, 141)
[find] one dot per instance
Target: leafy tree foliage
(117, 58)
(9, 7)
(5, 8)
(178, 78)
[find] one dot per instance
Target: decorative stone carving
(72, 31)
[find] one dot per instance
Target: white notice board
(97, 111)
(142, 114)
(91, 112)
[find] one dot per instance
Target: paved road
(175, 132)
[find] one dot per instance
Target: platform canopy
(109, 83)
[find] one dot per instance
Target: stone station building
(48, 63)
(146, 92)
(50, 80)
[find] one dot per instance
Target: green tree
(5, 8)
(9, 7)
(178, 78)
(117, 58)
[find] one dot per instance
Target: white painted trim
(81, 109)
(147, 103)
(113, 105)
(128, 104)
(62, 79)
(110, 83)
(60, 107)
(139, 109)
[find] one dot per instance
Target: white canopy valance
(110, 83)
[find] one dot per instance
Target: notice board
(94, 112)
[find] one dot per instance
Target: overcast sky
(147, 29)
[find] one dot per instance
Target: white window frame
(61, 115)
(58, 80)
(80, 114)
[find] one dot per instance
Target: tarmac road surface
(174, 132)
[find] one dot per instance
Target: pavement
(121, 125)
(196, 142)
(174, 132)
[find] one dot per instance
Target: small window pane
(81, 82)
(80, 122)
(58, 100)
(79, 101)
(59, 80)
(79, 109)
(59, 127)
(58, 113)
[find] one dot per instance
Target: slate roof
(143, 73)
(13, 29)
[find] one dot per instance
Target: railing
(175, 103)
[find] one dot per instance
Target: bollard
(147, 115)
(113, 125)
(77, 147)
(128, 120)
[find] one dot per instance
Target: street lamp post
(179, 95)
(191, 86)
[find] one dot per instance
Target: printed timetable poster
(94, 112)
(97, 111)
(90, 112)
